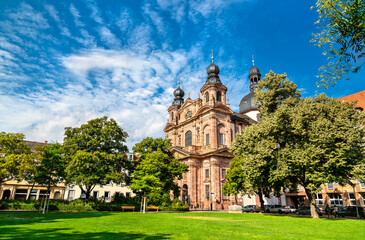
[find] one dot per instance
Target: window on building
(106, 196)
(207, 191)
(207, 97)
(224, 172)
(33, 194)
(96, 194)
(71, 195)
(362, 185)
(43, 193)
(57, 195)
(352, 199)
(221, 139)
(335, 199)
(319, 198)
(188, 138)
(206, 173)
(128, 194)
(207, 139)
(21, 194)
(172, 116)
(330, 186)
(219, 96)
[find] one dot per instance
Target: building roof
(359, 97)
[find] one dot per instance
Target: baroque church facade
(201, 132)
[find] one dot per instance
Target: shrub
(176, 205)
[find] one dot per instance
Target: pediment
(218, 107)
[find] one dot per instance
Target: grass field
(206, 225)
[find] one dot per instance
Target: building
(102, 192)
(201, 132)
(21, 190)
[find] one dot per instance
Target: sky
(63, 63)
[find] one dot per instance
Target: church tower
(247, 104)
(201, 132)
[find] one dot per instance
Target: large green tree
(322, 142)
(96, 154)
(157, 170)
(256, 149)
(16, 158)
(342, 35)
(307, 142)
(51, 167)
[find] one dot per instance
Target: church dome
(254, 70)
(179, 93)
(213, 69)
(247, 103)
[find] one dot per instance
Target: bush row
(79, 205)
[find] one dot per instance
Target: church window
(224, 171)
(221, 138)
(188, 138)
(172, 116)
(207, 191)
(188, 115)
(206, 173)
(207, 139)
(207, 97)
(219, 96)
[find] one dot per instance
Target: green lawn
(111, 225)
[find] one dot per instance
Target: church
(201, 132)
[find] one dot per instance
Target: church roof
(247, 103)
(359, 97)
(242, 117)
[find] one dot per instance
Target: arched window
(188, 138)
(255, 80)
(219, 96)
(207, 97)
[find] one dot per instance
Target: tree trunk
(45, 204)
(30, 192)
(262, 203)
(312, 203)
(144, 204)
(357, 209)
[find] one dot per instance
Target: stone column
(214, 133)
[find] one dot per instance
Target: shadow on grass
(15, 218)
(61, 233)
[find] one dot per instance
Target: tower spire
(178, 82)
(212, 57)
(253, 60)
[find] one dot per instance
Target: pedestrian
(327, 211)
(335, 210)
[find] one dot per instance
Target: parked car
(250, 208)
(306, 210)
(267, 208)
(350, 211)
(287, 209)
(274, 208)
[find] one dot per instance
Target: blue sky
(63, 63)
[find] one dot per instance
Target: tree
(16, 158)
(96, 154)
(51, 167)
(322, 142)
(157, 170)
(342, 34)
(307, 142)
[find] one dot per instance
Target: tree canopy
(157, 170)
(96, 154)
(300, 141)
(342, 35)
(16, 158)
